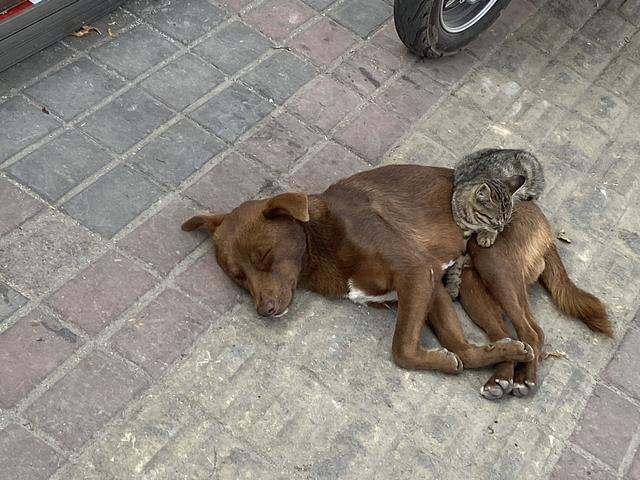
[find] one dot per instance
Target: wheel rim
(459, 15)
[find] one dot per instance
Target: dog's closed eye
(239, 277)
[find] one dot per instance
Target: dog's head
(261, 245)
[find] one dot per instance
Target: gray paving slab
(125, 351)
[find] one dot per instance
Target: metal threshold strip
(28, 26)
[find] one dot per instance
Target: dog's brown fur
(388, 229)
(496, 282)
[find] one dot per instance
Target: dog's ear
(294, 205)
(210, 221)
(514, 183)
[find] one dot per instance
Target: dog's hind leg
(446, 326)
(507, 287)
(485, 312)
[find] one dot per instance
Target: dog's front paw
(486, 238)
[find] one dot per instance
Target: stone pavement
(125, 353)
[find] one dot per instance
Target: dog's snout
(268, 308)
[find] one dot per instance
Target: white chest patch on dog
(448, 264)
(362, 298)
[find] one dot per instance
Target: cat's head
(487, 205)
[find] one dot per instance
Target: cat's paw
(486, 238)
(453, 289)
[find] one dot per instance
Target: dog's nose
(268, 308)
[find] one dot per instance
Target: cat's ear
(514, 183)
(483, 192)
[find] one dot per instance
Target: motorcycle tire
(433, 28)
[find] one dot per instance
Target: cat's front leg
(486, 238)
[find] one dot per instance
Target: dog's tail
(210, 221)
(569, 298)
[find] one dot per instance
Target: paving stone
(418, 148)
(615, 166)
(560, 85)
(620, 76)
(135, 51)
(87, 397)
(120, 281)
(519, 61)
(280, 143)
(233, 47)
(593, 196)
(233, 181)
(410, 96)
(115, 199)
(624, 363)
(324, 103)
(205, 282)
(632, 50)
(235, 458)
(234, 6)
(277, 19)
(31, 349)
(280, 76)
(452, 117)
(518, 12)
(47, 249)
(15, 206)
(573, 466)
(371, 133)
(177, 153)
(319, 4)
(185, 20)
(603, 109)
(22, 124)
(232, 112)
(618, 292)
(546, 32)
(193, 75)
(576, 142)
(367, 68)
(30, 68)
(609, 29)
(25, 456)
(323, 42)
(607, 425)
(325, 167)
(498, 136)
(532, 117)
(73, 89)
(491, 91)
(387, 39)
(162, 331)
(631, 11)
(126, 120)
(10, 301)
(585, 56)
(448, 71)
(573, 12)
(60, 165)
(484, 44)
(361, 16)
(160, 242)
(110, 26)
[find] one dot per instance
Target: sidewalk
(124, 351)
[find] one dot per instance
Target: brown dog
(378, 236)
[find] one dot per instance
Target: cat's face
(491, 205)
(488, 204)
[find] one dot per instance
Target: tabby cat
(486, 184)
